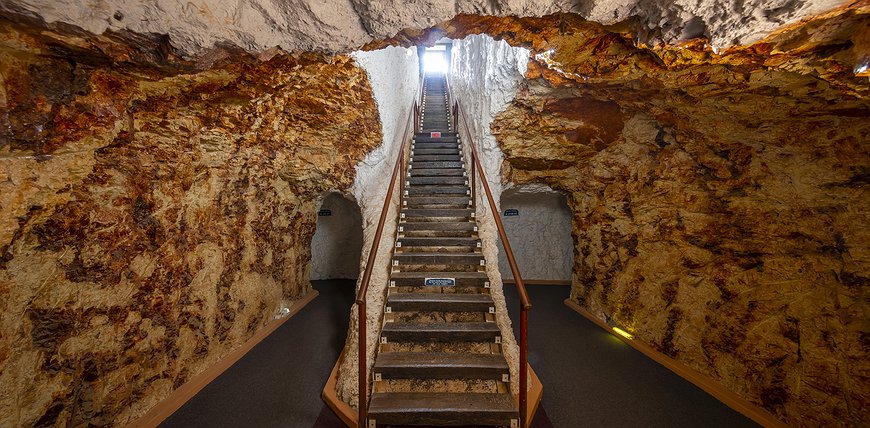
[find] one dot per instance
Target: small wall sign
(324, 213)
(511, 212)
(440, 282)
(435, 134)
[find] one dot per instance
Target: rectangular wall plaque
(440, 282)
(324, 213)
(511, 212)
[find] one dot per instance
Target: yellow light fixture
(623, 333)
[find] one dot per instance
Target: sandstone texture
(154, 216)
(719, 200)
(341, 25)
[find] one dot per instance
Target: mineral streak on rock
(154, 216)
(719, 201)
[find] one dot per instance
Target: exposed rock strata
(340, 25)
(719, 200)
(152, 221)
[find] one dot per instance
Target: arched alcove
(337, 242)
(537, 221)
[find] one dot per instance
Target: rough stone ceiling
(341, 25)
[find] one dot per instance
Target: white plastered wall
(337, 242)
(394, 76)
(540, 235)
(484, 76)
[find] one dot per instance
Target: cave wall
(257, 25)
(540, 235)
(719, 200)
(154, 216)
(395, 79)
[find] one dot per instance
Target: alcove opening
(537, 221)
(337, 242)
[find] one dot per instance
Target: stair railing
(361, 297)
(458, 115)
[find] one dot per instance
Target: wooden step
(435, 212)
(435, 225)
(444, 136)
(438, 258)
(440, 365)
(429, 140)
(440, 332)
(416, 279)
(437, 146)
(430, 151)
(437, 201)
(437, 172)
(442, 409)
(436, 165)
(436, 158)
(423, 190)
(448, 180)
(436, 241)
(456, 302)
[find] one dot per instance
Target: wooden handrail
(525, 302)
(361, 295)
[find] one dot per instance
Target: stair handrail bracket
(362, 293)
(525, 302)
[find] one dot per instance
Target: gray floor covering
(590, 378)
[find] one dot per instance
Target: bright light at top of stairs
(435, 62)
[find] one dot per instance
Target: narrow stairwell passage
(440, 359)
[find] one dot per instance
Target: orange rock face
(152, 221)
(719, 201)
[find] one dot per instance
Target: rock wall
(152, 216)
(484, 76)
(337, 242)
(540, 235)
(395, 79)
(718, 200)
(342, 25)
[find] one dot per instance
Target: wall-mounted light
(623, 333)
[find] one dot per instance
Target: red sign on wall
(435, 134)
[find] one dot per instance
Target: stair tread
(428, 360)
(440, 297)
(437, 254)
(450, 327)
(426, 402)
(443, 240)
(421, 275)
(438, 212)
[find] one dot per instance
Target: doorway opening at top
(436, 59)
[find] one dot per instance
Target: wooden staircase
(439, 360)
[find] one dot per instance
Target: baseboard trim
(185, 392)
(511, 281)
(708, 384)
(350, 416)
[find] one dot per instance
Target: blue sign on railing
(440, 282)
(511, 212)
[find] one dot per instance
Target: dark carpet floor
(590, 378)
(593, 379)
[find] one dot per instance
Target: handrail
(525, 303)
(373, 253)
